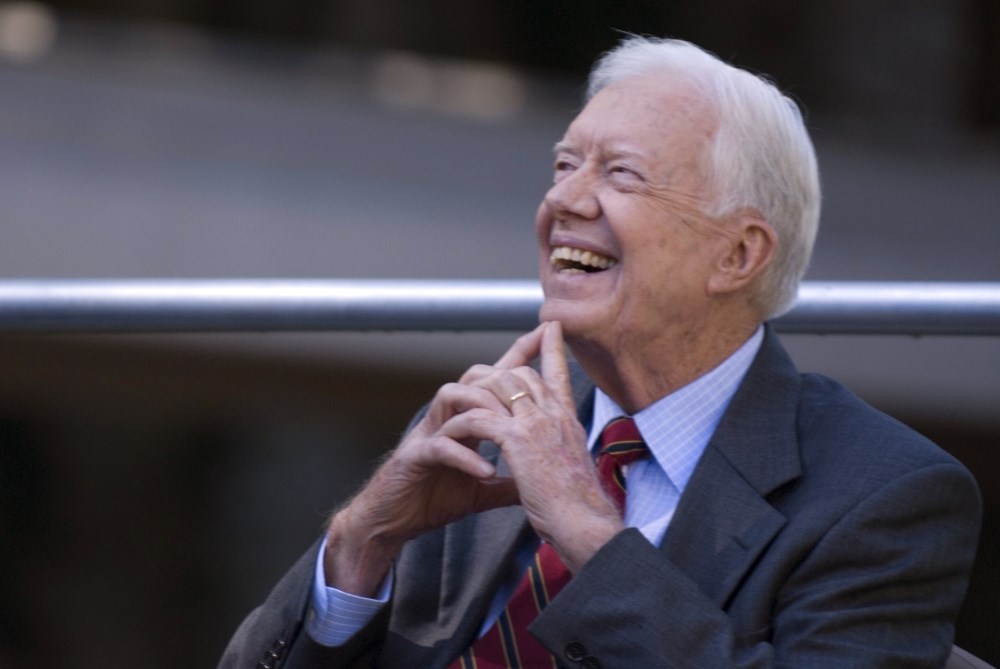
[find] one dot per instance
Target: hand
(432, 478)
(544, 446)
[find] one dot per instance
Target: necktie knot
(621, 445)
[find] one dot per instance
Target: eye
(563, 166)
(624, 174)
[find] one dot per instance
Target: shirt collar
(677, 427)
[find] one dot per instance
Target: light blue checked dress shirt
(676, 428)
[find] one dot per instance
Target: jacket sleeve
(880, 586)
(273, 636)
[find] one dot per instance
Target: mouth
(577, 261)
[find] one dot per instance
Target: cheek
(665, 269)
(543, 223)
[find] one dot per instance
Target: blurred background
(153, 488)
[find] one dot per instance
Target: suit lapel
(724, 520)
(720, 528)
(477, 556)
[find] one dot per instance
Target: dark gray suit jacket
(815, 532)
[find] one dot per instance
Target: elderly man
(738, 514)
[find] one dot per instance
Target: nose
(574, 195)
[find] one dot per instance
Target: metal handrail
(184, 305)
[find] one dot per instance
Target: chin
(576, 322)
(557, 310)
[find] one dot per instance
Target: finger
(552, 384)
(522, 351)
(453, 398)
(477, 372)
(537, 393)
(476, 424)
(450, 452)
(506, 385)
(555, 368)
(513, 387)
(521, 401)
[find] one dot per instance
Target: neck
(638, 373)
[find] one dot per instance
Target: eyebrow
(613, 152)
(561, 147)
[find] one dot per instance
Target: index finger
(555, 368)
(522, 351)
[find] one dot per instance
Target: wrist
(356, 561)
(578, 548)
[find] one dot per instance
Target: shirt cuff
(335, 616)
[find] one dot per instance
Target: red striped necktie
(508, 644)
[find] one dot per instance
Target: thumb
(524, 350)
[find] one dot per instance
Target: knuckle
(476, 416)
(526, 373)
(449, 386)
(446, 391)
(436, 448)
(477, 371)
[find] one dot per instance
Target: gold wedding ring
(516, 396)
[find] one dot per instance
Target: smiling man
(679, 496)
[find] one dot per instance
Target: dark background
(843, 58)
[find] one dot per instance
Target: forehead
(646, 115)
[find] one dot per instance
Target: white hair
(761, 156)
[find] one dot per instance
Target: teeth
(562, 254)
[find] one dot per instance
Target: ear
(751, 244)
